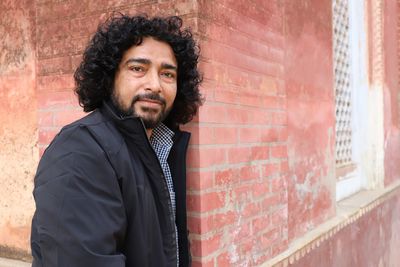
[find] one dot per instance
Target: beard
(151, 117)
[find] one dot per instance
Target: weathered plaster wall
(311, 121)
(18, 123)
(391, 90)
(371, 241)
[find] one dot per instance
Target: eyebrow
(148, 62)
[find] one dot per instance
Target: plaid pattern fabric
(161, 141)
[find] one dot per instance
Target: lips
(150, 101)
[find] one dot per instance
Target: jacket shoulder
(93, 134)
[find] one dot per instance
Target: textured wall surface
(311, 114)
(237, 199)
(392, 89)
(18, 124)
(261, 163)
(372, 241)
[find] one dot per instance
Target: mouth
(150, 104)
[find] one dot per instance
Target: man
(110, 188)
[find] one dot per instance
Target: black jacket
(102, 200)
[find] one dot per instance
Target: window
(351, 95)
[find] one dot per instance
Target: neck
(148, 132)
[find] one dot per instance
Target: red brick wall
(237, 197)
(311, 114)
(63, 30)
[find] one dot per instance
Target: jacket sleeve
(80, 217)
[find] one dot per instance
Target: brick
(279, 216)
(45, 118)
(204, 225)
(44, 11)
(226, 135)
(270, 201)
(269, 87)
(65, 117)
(215, 114)
(59, 65)
(251, 100)
(279, 151)
(226, 54)
(223, 260)
(270, 169)
(205, 157)
(272, 102)
(227, 177)
(260, 152)
(256, 31)
(53, 30)
(251, 209)
(56, 82)
(198, 180)
(204, 263)
(204, 247)
(51, 100)
(224, 96)
(83, 26)
(278, 118)
(260, 189)
(46, 136)
(260, 224)
(240, 41)
(258, 117)
(251, 172)
(238, 115)
(284, 166)
(242, 193)
(239, 154)
(202, 135)
(278, 184)
(269, 135)
(249, 135)
(194, 224)
(241, 232)
(205, 202)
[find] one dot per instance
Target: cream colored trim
(349, 211)
(373, 160)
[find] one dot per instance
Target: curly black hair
(95, 75)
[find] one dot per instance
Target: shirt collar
(162, 134)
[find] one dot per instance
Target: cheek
(171, 97)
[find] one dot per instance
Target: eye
(136, 68)
(169, 75)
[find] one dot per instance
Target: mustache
(149, 96)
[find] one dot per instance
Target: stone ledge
(13, 263)
(348, 211)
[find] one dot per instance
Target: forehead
(152, 49)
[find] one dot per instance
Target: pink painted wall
(392, 90)
(18, 124)
(311, 121)
(372, 241)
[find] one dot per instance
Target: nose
(153, 82)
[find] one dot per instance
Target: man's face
(146, 81)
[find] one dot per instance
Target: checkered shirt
(161, 141)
